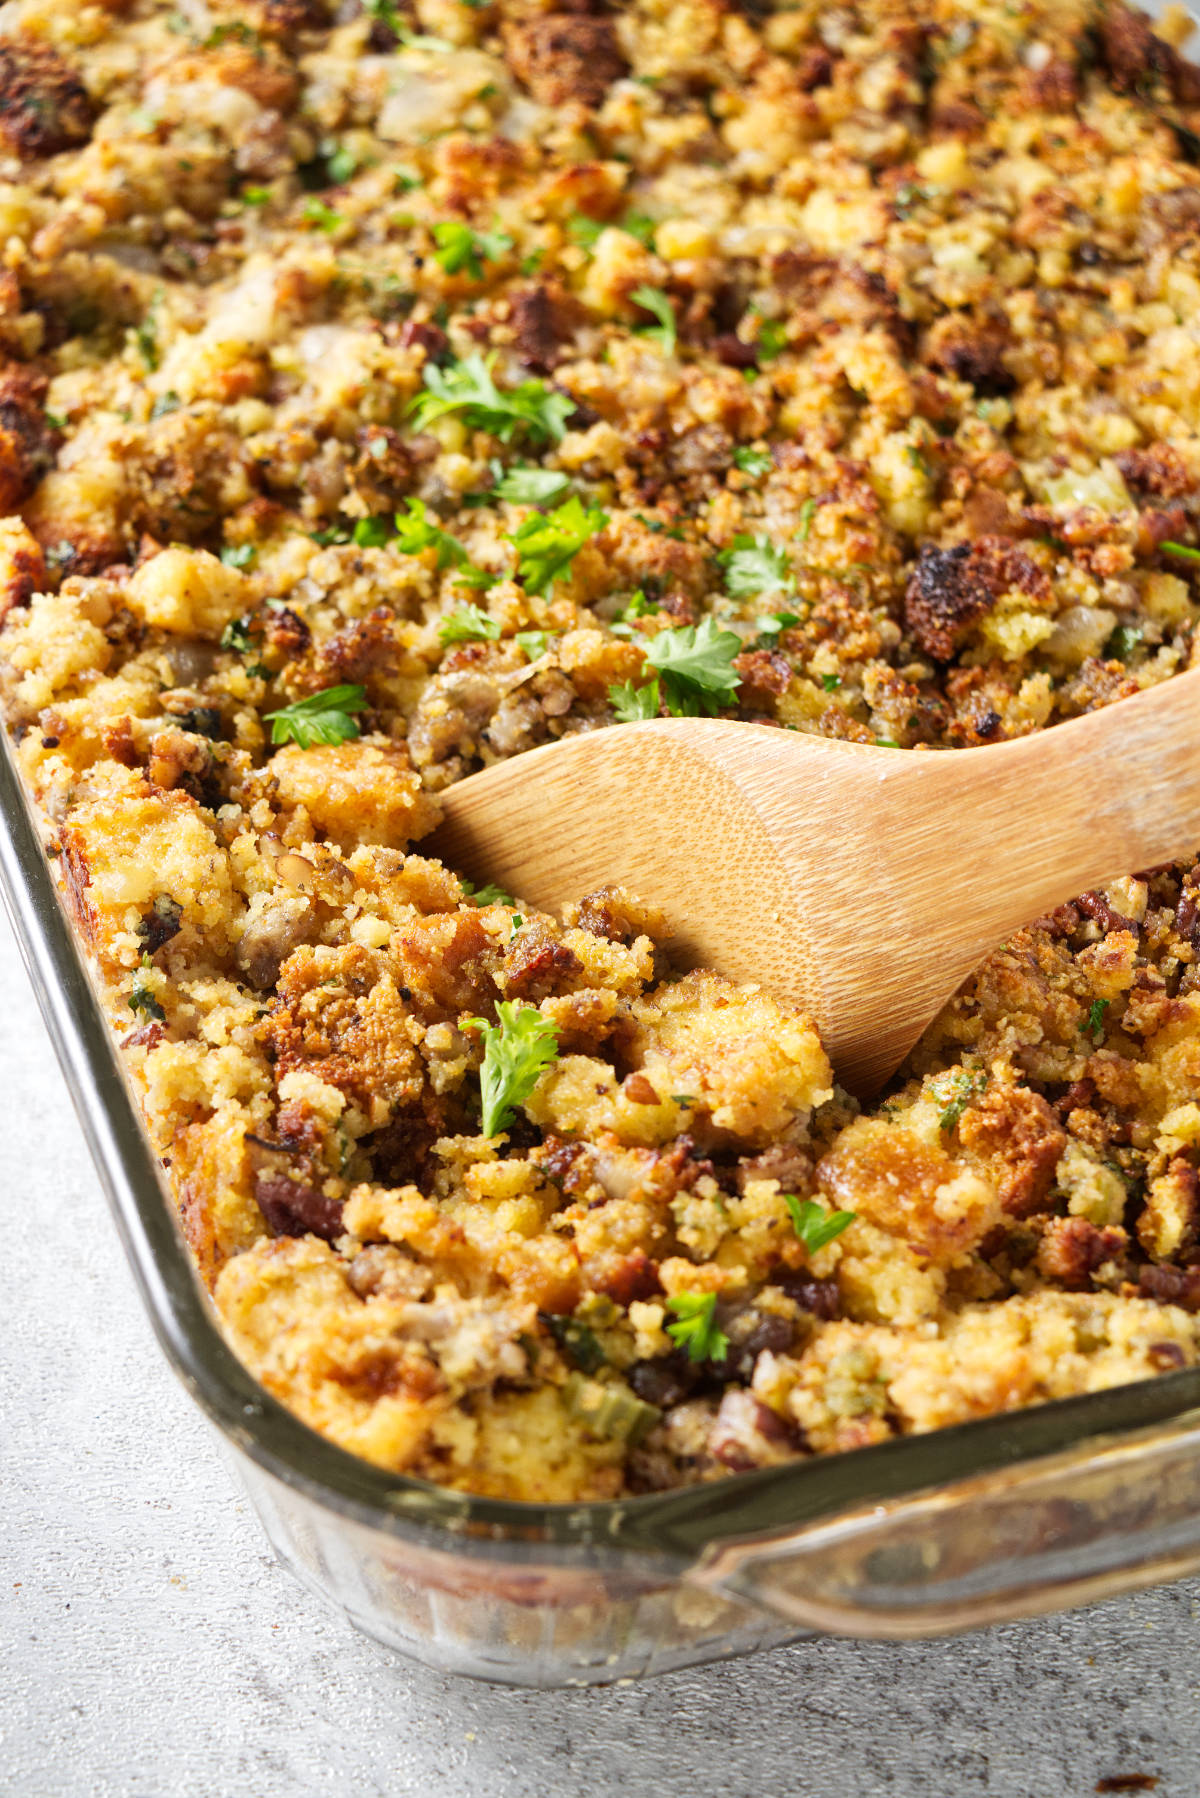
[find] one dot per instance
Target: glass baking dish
(1013, 1515)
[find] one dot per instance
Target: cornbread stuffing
(389, 386)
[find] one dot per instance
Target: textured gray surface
(149, 1645)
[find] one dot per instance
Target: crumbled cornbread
(388, 388)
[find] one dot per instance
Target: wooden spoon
(862, 883)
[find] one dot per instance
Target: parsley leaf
(771, 340)
(458, 247)
(634, 704)
(324, 717)
(831, 682)
(533, 643)
(371, 533)
(547, 543)
(142, 1000)
(584, 230)
(806, 517)
(751, 461)
(696, 665)
(145, 335)
(417, 530)
(1181, 549)
(515, 1053)
(695, 1328)
(239, 555)
(531, 486)
(485, 895)
(1095, 1017)
(316, 212)
(771, 629)
(754, 565)
(580, 1345)
(255, 196)
(236, 636)
(468, 387)
(468, 624)
(653, 299)
(813, 1224)
(955, 1098)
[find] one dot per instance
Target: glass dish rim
(665, 1531)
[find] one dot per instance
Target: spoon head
(727, 828)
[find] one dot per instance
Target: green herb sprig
(695, 1328)
(653, 299)
(467, 387)
(547, 543)
(813, 1224)
(325, 717)
(516, 1052)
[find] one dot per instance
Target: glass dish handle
(1064, 1530)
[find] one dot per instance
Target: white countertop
(149, 1645)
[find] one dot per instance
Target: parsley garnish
(955, 1100)
(580, 1345)
(485, 895)
(695, 1328)
(236, 636)
(533, 643)
(806, 517)
(255, 196)
(696, 665)
(316, 212)
(324, 717)
(239, 555)
(771, 629)
(831, 682)
(416, 530)
(653, 299)
(371, 533)
(515, 1052)
(468, 387)
(145, 335)
(388, 15)
(633, 705)
(751, 461)
(584, 231)
(241, 33)
(1095, 1017)
(771, 340)
(1180, 549)
(813, 1224)
(340, 163)
(142, 1000)
(754, 565)
(458, 247)
(58, 423)
(640, 225)
(467, 624)
(164, 404)
(546, 544)
(531, 486)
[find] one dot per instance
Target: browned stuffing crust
(869, 334)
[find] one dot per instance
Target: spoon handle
(985, 840)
